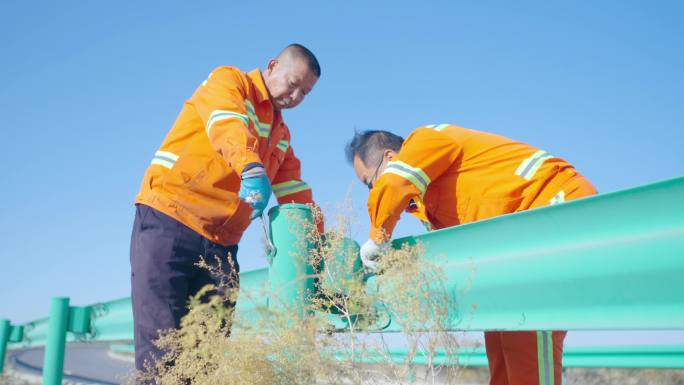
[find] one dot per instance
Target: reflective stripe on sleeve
(283, 145)
(558, 198)
(529, 166)
(164, 158)
(413, 174)
(289, 187)
(218, 115)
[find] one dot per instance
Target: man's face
(369, 173)
(288, 81)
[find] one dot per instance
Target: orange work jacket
(226, 124)
(448, 175)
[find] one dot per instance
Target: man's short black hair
(369, 145)
(301, 52)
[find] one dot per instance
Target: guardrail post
(53, 363)
(62, 319)
(290, 274)
(4, 337)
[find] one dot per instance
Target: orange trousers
(525, 358)
(532, 357)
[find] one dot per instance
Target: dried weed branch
(332, 343)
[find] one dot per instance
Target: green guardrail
(623, 356)
(651, 357)
(612, 261)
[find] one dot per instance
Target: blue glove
(255, 188)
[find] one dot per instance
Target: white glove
(369, 253)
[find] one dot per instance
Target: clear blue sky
(89, 89)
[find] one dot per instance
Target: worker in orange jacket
(227, 151)
(448, 175)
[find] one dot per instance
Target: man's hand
(255, 188)
(370, 251)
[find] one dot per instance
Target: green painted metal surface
(53, 360)
(254, 293)
(16, 333)
(8, 333)
(344, 265)
(612, 261)
(62, 319)
(112, 320)
(5, 330)
(291, 275)
(656, 357)
(79, 319)
(642, 356)
(35, 334)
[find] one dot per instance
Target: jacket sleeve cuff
(379, 235)
(248, 159)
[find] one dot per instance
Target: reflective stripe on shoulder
(283, 145)
(219, 115)
(289, 187)
(413, 174)
(558, 198)
(263, 129)
(204, 83)
(164, 158)
(529, 166)
(437, 127)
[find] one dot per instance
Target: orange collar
(259, 85)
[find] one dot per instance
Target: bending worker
(228, 150)
(448, 175)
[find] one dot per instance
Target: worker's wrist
(253, 170)
(379, 235)
(245, 161)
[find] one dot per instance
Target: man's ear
(389, 154)
(272, 64)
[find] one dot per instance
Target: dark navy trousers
(163, 275)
